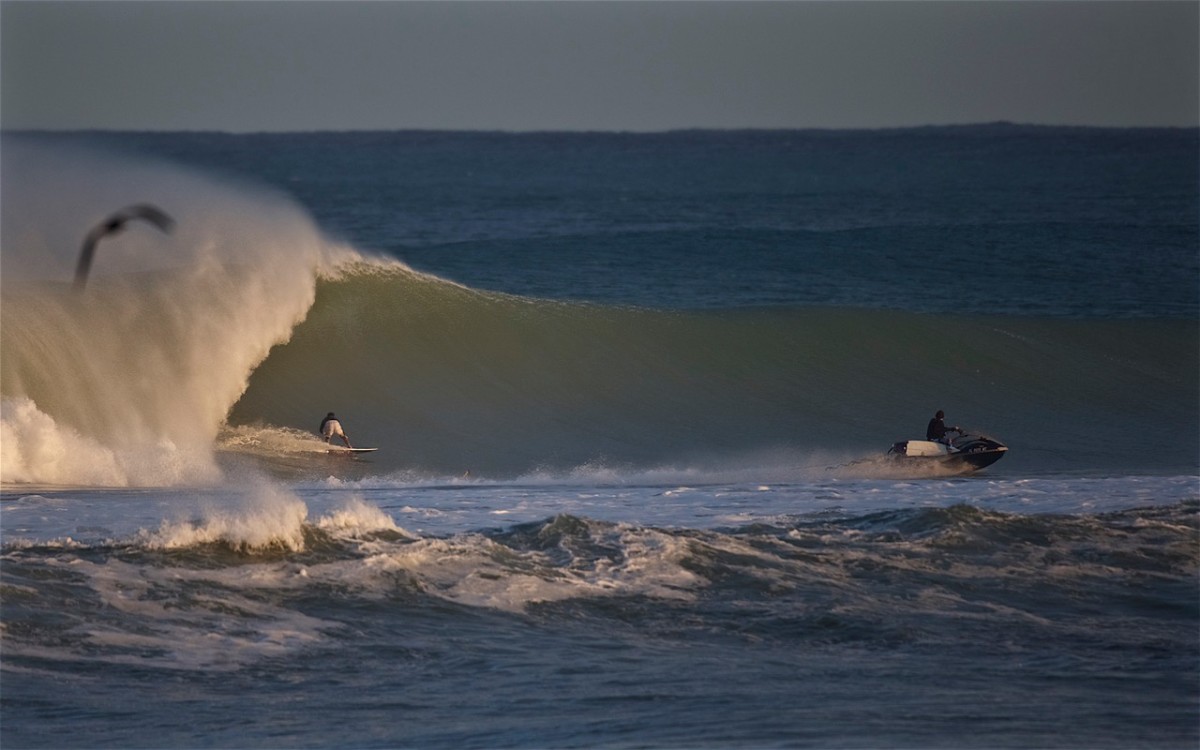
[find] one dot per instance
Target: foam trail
(260, 516)
(130, 383)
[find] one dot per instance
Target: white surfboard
(351, 450)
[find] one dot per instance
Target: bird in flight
(113, 225)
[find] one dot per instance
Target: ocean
(632, 395)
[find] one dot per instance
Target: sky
(279, 65)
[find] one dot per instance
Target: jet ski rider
(937, 429)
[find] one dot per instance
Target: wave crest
(130, 381)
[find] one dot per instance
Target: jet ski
(964, 453)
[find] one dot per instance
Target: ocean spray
(130, 381)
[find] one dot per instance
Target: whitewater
(631, 395)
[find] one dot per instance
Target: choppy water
(631, 394)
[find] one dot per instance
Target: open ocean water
(631, 394)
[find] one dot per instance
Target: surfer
(330, 427)
(937, 429)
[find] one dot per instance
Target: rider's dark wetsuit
(936, 429)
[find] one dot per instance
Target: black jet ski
(964, 453)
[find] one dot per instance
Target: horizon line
(993, 124)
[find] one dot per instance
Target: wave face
(130, 381)
(449, 380)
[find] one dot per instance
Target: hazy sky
(248, 66)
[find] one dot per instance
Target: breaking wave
(226, 342)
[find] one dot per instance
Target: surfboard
(351, 450)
